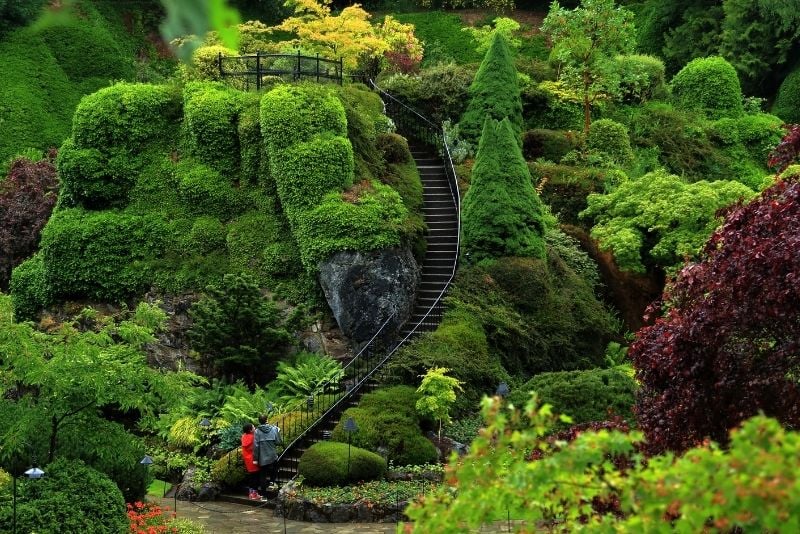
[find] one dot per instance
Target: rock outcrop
(364, 289)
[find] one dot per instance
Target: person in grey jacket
(267, 438)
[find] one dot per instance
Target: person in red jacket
(247, 456)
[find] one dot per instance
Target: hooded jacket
(267, 437)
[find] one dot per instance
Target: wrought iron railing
(253, 68)
(297, 426)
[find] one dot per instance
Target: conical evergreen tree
(502, 215)
(494, 92)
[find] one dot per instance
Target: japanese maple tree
(27, 197)
(728, 343)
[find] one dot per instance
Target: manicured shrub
(307, 171)
(362, 110)
(393, 147)
(543, 108)
(30, 291)
(27, 196)
(787, 102)
(207, 234)
(326, 464)
(104, 255)
(551, 145)
(610, 138)
(205, 191)
(253, 157)
(229, 471)
(71, 497)
(387, 420)
(586, 396)
(502, 214)
(641, 78)
(710, 85)
(758, 132)
(293, 114)
(494, 93)
(204, 64)
(125, 116)
(91, 179)
(210, 118)
(372, 222)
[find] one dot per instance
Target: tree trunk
(54, 422)
(587, 107)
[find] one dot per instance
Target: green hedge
(253, 159)
(211, 114)
(229, 471)
(372, 222)
(104, 255)
(787, 102)
(71, 497)
(610, 138)
(30, 291)
(205, 191)
(592, 395)
(393, 147)
(758, 133)
(387, 418)
(494, 93)
(307, 171)
(439, 92)
(207, 234)
(710, 85)
(91, 179)
(364, 111)
(326, 464)
(293, 114)
(125, 116)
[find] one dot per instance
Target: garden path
(229, 518)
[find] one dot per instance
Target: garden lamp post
(34, 473)
(350, 427)
(147, 461)
(205, 423)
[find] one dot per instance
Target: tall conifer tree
(494, 93)
(502, 215)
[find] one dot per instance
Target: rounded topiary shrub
(71, 497)
(229, 470)
(394, 148)
(206, 192)
(90, 179)
(326, 464)
(210, 119)
(207, 234)
(592, 395)
(787, 103)
(29, 289)
(418, 450)
(204, 64)
(710, 85)
(610, 138)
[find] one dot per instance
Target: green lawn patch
(158, 488)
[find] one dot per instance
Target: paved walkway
(229, 518)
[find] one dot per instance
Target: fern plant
(310, 375)
(246, 406)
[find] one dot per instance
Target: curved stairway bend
(441, 205)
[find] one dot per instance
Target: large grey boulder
(364, 289)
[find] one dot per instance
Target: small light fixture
(34, 473)
(147, 461)
(205, 423)
(502, 390)
(350, 425)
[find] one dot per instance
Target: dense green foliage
(787, 103)
(585, 396)
(502, 214)
(387, 419)
(444, 40)
(610, 139)
(597, 482)
(551, 145)
(236, 330)
(641, 78)
(229, 470)
(709, 85)
(334, 464)
(71, 497)
(440, 92)
(494, 93)
(45, 69)
(658, 220)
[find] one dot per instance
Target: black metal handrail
(297, 66)
(367, 362)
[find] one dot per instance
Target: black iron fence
(252, 69)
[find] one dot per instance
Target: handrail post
(219, 62)
(297, 71)
(317, 67)
(341, 70)
(258, 70)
